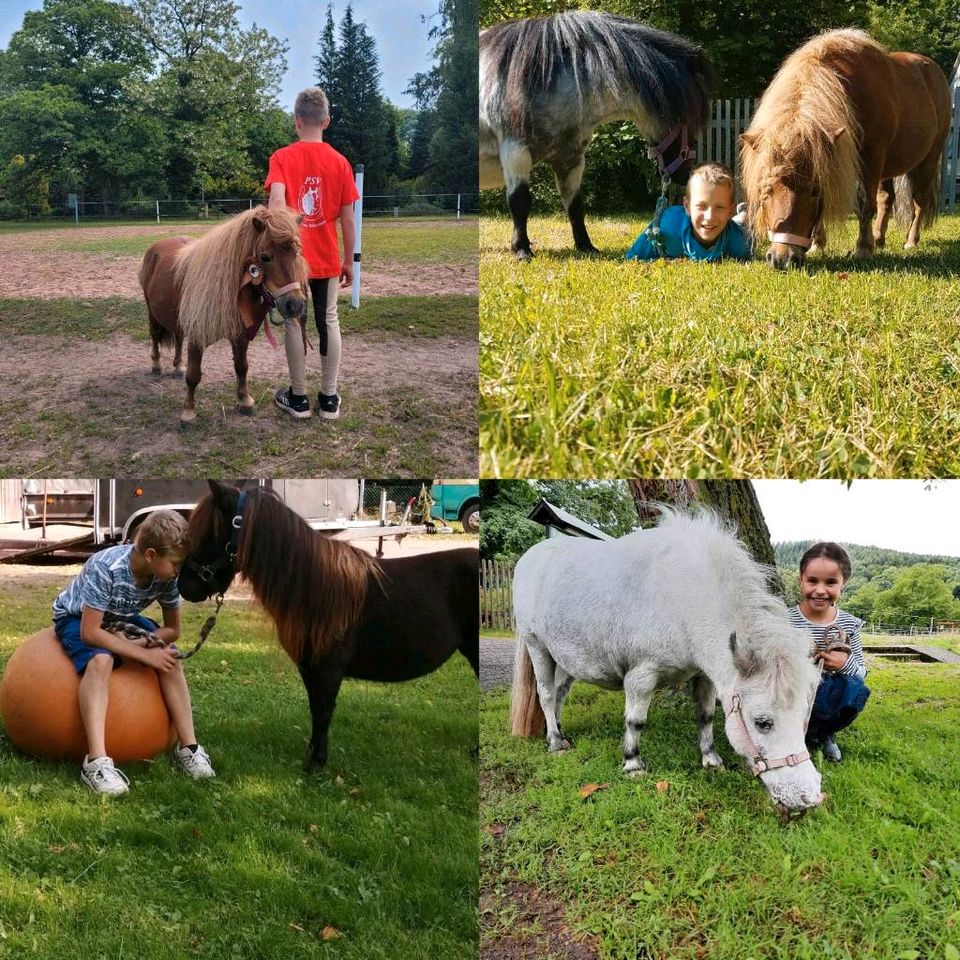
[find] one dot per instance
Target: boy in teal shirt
(704, 227)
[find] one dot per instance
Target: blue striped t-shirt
(855, 666)
(106, 583)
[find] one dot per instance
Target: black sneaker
(298, 407)
(329, 407)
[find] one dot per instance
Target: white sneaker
(101, 776)
(196, 765)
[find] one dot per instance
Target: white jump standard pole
(358, 217)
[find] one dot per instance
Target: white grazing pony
(682, 601)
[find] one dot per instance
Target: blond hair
(164, 531)
(713, 174)
(312, 106)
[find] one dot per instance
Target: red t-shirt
(318, 182)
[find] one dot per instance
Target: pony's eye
(265, 258)
(763, 724)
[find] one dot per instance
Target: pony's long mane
(764, 635)
(313, 587)
(620, 57)
(208, 272)
(794, 128)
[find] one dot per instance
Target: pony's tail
(928, 197)
(526, 717)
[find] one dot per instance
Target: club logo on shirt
(310, 202)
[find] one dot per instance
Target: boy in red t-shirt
(316, 181)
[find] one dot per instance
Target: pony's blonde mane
(795, 128)
(208, 272)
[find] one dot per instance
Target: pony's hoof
(909, 246)
(590, 251)
(712, 762)
(862, 253)
(187, 420)
(156, 371)
(245, 411)
(313, 765)
(633, 769)
(177, 374)
(524, 256)
(560, 746)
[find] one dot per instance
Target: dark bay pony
(338, 611)
(220, 287)
(843, 112)
(547, 83)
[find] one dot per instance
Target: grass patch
(381, 846)
(454, 315)
(431, 241)
(599, 367)
(703, 868)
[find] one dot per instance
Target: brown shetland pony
(220, 287)
(339, 613)
(843, 111)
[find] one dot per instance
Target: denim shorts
(68, 633)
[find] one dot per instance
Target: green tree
(919, 593)
(362, 125)
(213, 78)
(65, 83)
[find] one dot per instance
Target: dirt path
(390, 384)
(34, 268)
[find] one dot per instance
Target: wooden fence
(730, 118)
(496, 595)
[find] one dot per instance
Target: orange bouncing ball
(38, 703)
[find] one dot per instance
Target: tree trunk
(733, 500)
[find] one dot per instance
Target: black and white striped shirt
(855, 666)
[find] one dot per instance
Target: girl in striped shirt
(824, 569)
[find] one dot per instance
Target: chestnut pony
(220, 287)
(338, 611)
(843, 111)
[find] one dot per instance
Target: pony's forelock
(208, 271)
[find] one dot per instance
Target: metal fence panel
(496, 595)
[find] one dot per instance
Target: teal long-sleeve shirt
(679, 240)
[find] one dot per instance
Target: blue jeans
(68, 633)
(840, 700)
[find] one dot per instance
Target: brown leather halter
(761, 764)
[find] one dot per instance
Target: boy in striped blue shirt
(89, 618)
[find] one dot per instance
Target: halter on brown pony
(843, 111)
(220, 287)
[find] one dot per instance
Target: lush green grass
(434, 241)
(599, 367)
(683, 864)
(381, 846)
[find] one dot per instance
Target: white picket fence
(730, 118)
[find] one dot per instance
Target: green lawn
(683, 865)
(380, 847)
(410, 241)
(597, 367)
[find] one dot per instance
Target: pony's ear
(748, 140)
(259, 224)
(744, 659)
(223, 494)
(835, 136)
(299, 219)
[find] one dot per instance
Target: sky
(915, 516)
(400, 36)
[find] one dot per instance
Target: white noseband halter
(794, 239)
